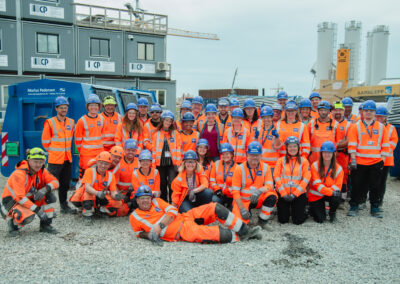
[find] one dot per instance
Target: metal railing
(119, 19)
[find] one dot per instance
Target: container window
(99, 47)
(4, 96)
(47, 43)
(161, 96)
(145, 51)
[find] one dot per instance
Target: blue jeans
(202, 198)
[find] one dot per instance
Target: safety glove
(353, 164)
(119, 196)
(336, 193)
(255, 196)
(219, 193)
(245, 214)
(156, 194)
(155, 239)
(275, 133)
(40, 193)
(101, 194)
(256, 134)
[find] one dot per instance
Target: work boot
(264, 224)
(66, 209)
(12, 229)
(47, 228)
(88, 220)
(375, 212)
(353, 211)
(363, 206)
(252, 233)
(332, 217)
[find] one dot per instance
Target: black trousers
(317, 208)
(62, 172)
(296, 208)
(366, 178)
(167, 175)
(385, 174)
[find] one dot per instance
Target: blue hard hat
(142, 102)
(190, 155)
(155, 108)
(382, 110)
(282, 95)
(292, 140)
(234, 102)
(254, 148)
(276, 106)
(145, 155)
(210, 108)
(61, 101)
(369, 105)
(249, 103)
(202, 142)
(324, 104)
(167, 114)
(93, 99)
(197, 100)
(223, 102)
(315, 95)
(237, 112)
(347, 101)
(143, 190)
(226, 147)
(305, 103)
(291, 105)
(130, 144)
(266, 111)
(188, 117)
(328, 146)
(186, 104)
(131, 106)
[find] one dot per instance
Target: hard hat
(117, 151)
(266, 111)
(130, 144)
(210, 108)
(190, 155)
(282, 95)
(234, 102)
(202, 142)
(226, 147)
(104, 156)
(143, 102)
(324, 104)
(155, 108)
(276, 106)
(186, 104)
(292, 140)
(36, 153)
(223, 102)
(143, 190)
(338, 105)
(61, 101)
(131, 106)
(305, 103)
(369, 105)
(145, 155)
(167, 114)
(382, 110)
(109, 100)
(328, 146)
(249, 103)
(347, 101)
(188, 117)
(291, 105)
(237, 112)
(197, 100)
(314, 95)
(254, 148)
(93, 99)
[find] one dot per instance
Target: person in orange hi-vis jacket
(368, 147)
(88, 133)
(292, 176)
(131, 127)
(186, 107)
(250, 115)
(150, 127)
(143, 108)
(223, 117)
(252, 187)
(305, 107)
(57, 140)
(315, 99)
(29, 191)
(128, 164)
(348, 108)
(156, 220)
(326, 182)
(203, 155)
(197, 106)
(277, 109)
(189, 136)
(111, 120)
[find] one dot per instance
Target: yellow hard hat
(109, 100)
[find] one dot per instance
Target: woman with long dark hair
(203, 155)
(130, 127)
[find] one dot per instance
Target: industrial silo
(377, 53)
(352, 40)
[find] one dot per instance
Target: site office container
(7, 8)
(8, 43)
(60, 11)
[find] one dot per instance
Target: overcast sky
(270, 42)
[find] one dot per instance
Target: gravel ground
(355, 250)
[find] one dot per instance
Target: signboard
(388, 89)
(3, 7)
(3, 60)
(12, 149)
(99, 66)
(142, 68)
(48, 63)
(46, 11)
(46, 91)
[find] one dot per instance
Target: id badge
(167, 154)
(291, 183)
(371, 143)
(253, 189)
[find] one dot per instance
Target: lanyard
(266, 136)
(366, 126)
(251, 174)
(327, 173)
(226, 174)
(292, 168)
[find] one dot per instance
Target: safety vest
(228, 122)
(152, 180)
(148, 132)
(221, 177)
(314, 113)
(174, 143)
(98, 182)
(240, 141)
(189, 141)
(393, 139)
(218, 128)
(88, 135)
(352, 118)
(57, 139)
(296, 129)
(122, 135)
(292, 180)
(342, 131)
(324, 186)
(270, 155)
(370, 144)
(125, 174)
(109, 129)
(180, 187)
(199, 122)
(321, 132)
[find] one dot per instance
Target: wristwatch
(162, 226)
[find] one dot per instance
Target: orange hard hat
(117, 151)
(104, 156)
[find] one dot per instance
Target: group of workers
(174, 177)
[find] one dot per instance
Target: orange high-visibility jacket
(121, 135)
(270, 155)
(174, 143)
(221, 177)
(353, 118)
(239, 142)
(180, 187)
(148, 130)
(314, 113)
(152, 180)
(324, 186)
(109, 129)
(57, 139)
(297, 129)
(292, 177)
(343, 130)
(243, 185)
(369, 150)
(189, 141)
(253, 126)
(320, 132)
(21, 186)
(393, 139)
(199, 122)
(88, 135)
(98, 182)
(228, 122)
(125, 174)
